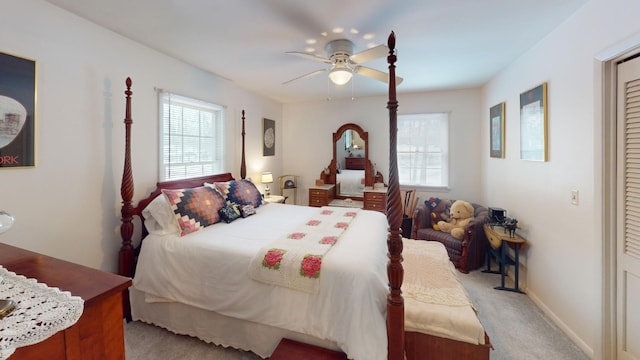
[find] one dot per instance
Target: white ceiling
(441, 44)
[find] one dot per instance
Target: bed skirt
(214, 328)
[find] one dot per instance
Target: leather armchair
(466, 254)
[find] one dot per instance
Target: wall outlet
(575, 197)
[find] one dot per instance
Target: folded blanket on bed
(428, 277)
(295, 261)
(435, 301)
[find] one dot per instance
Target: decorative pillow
(195, 208)
(229, 213)
(241, 192)
(159, 218)
(247, 210)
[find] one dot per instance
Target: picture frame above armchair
(534, 124)
(496, 130)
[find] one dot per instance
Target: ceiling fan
(344, 63)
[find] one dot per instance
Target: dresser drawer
(320, 197)
(375, 201)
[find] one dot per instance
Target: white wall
(68, 205)
(563, 260)
(309, 127)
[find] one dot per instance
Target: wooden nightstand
(321, 195)
(99, 333)
(274, 199)
(375, 199)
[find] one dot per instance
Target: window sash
(423, 149)
(191, 137)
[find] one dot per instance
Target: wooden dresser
(354, 163)
(99, 333)
(375, 199)
(321, 195)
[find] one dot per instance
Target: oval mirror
(351, 160)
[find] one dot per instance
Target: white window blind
(423, 149)
(192, 137)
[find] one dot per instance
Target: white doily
(41, 311)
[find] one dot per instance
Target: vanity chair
(289, 185)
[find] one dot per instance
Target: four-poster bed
(159, 297)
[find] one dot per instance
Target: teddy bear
(461, 214)
(439, 211)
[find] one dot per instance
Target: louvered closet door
(628, 242)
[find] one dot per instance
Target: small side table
(498, 243)
(274, 199)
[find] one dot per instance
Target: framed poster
(533, 124)
(17, 111)
(268, 137)
(496, 130)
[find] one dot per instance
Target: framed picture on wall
(268, 137)
(533, 124)
(496, 130)
(17, 111)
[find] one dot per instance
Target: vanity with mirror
(350, 175)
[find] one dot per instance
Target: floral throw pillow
(241, 192)
(195, 208)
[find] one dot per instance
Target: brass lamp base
(6, 307)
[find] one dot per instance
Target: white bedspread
(208, 269)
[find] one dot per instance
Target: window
(423, 149)
(191, 139)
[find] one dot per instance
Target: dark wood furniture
(294, 350)
(354, 163)
(99, 333)
(370, 175)
(417, 344)
(321, 195)
(375, 199)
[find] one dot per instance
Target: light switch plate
(575, 197)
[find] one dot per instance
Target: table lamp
(267, 178)
(6, 221)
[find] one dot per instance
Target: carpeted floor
(516, 327)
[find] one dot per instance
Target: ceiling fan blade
(370, 54)
(309, 56)
(305, 76)
(375, 74)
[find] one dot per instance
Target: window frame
(444, 153)
(215, 134)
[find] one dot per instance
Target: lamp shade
(6, 221)
(267, 178)
(340, 76)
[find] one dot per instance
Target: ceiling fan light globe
(340, 76)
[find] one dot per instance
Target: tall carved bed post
(395, 272)
(125, 263)
(243, 165)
